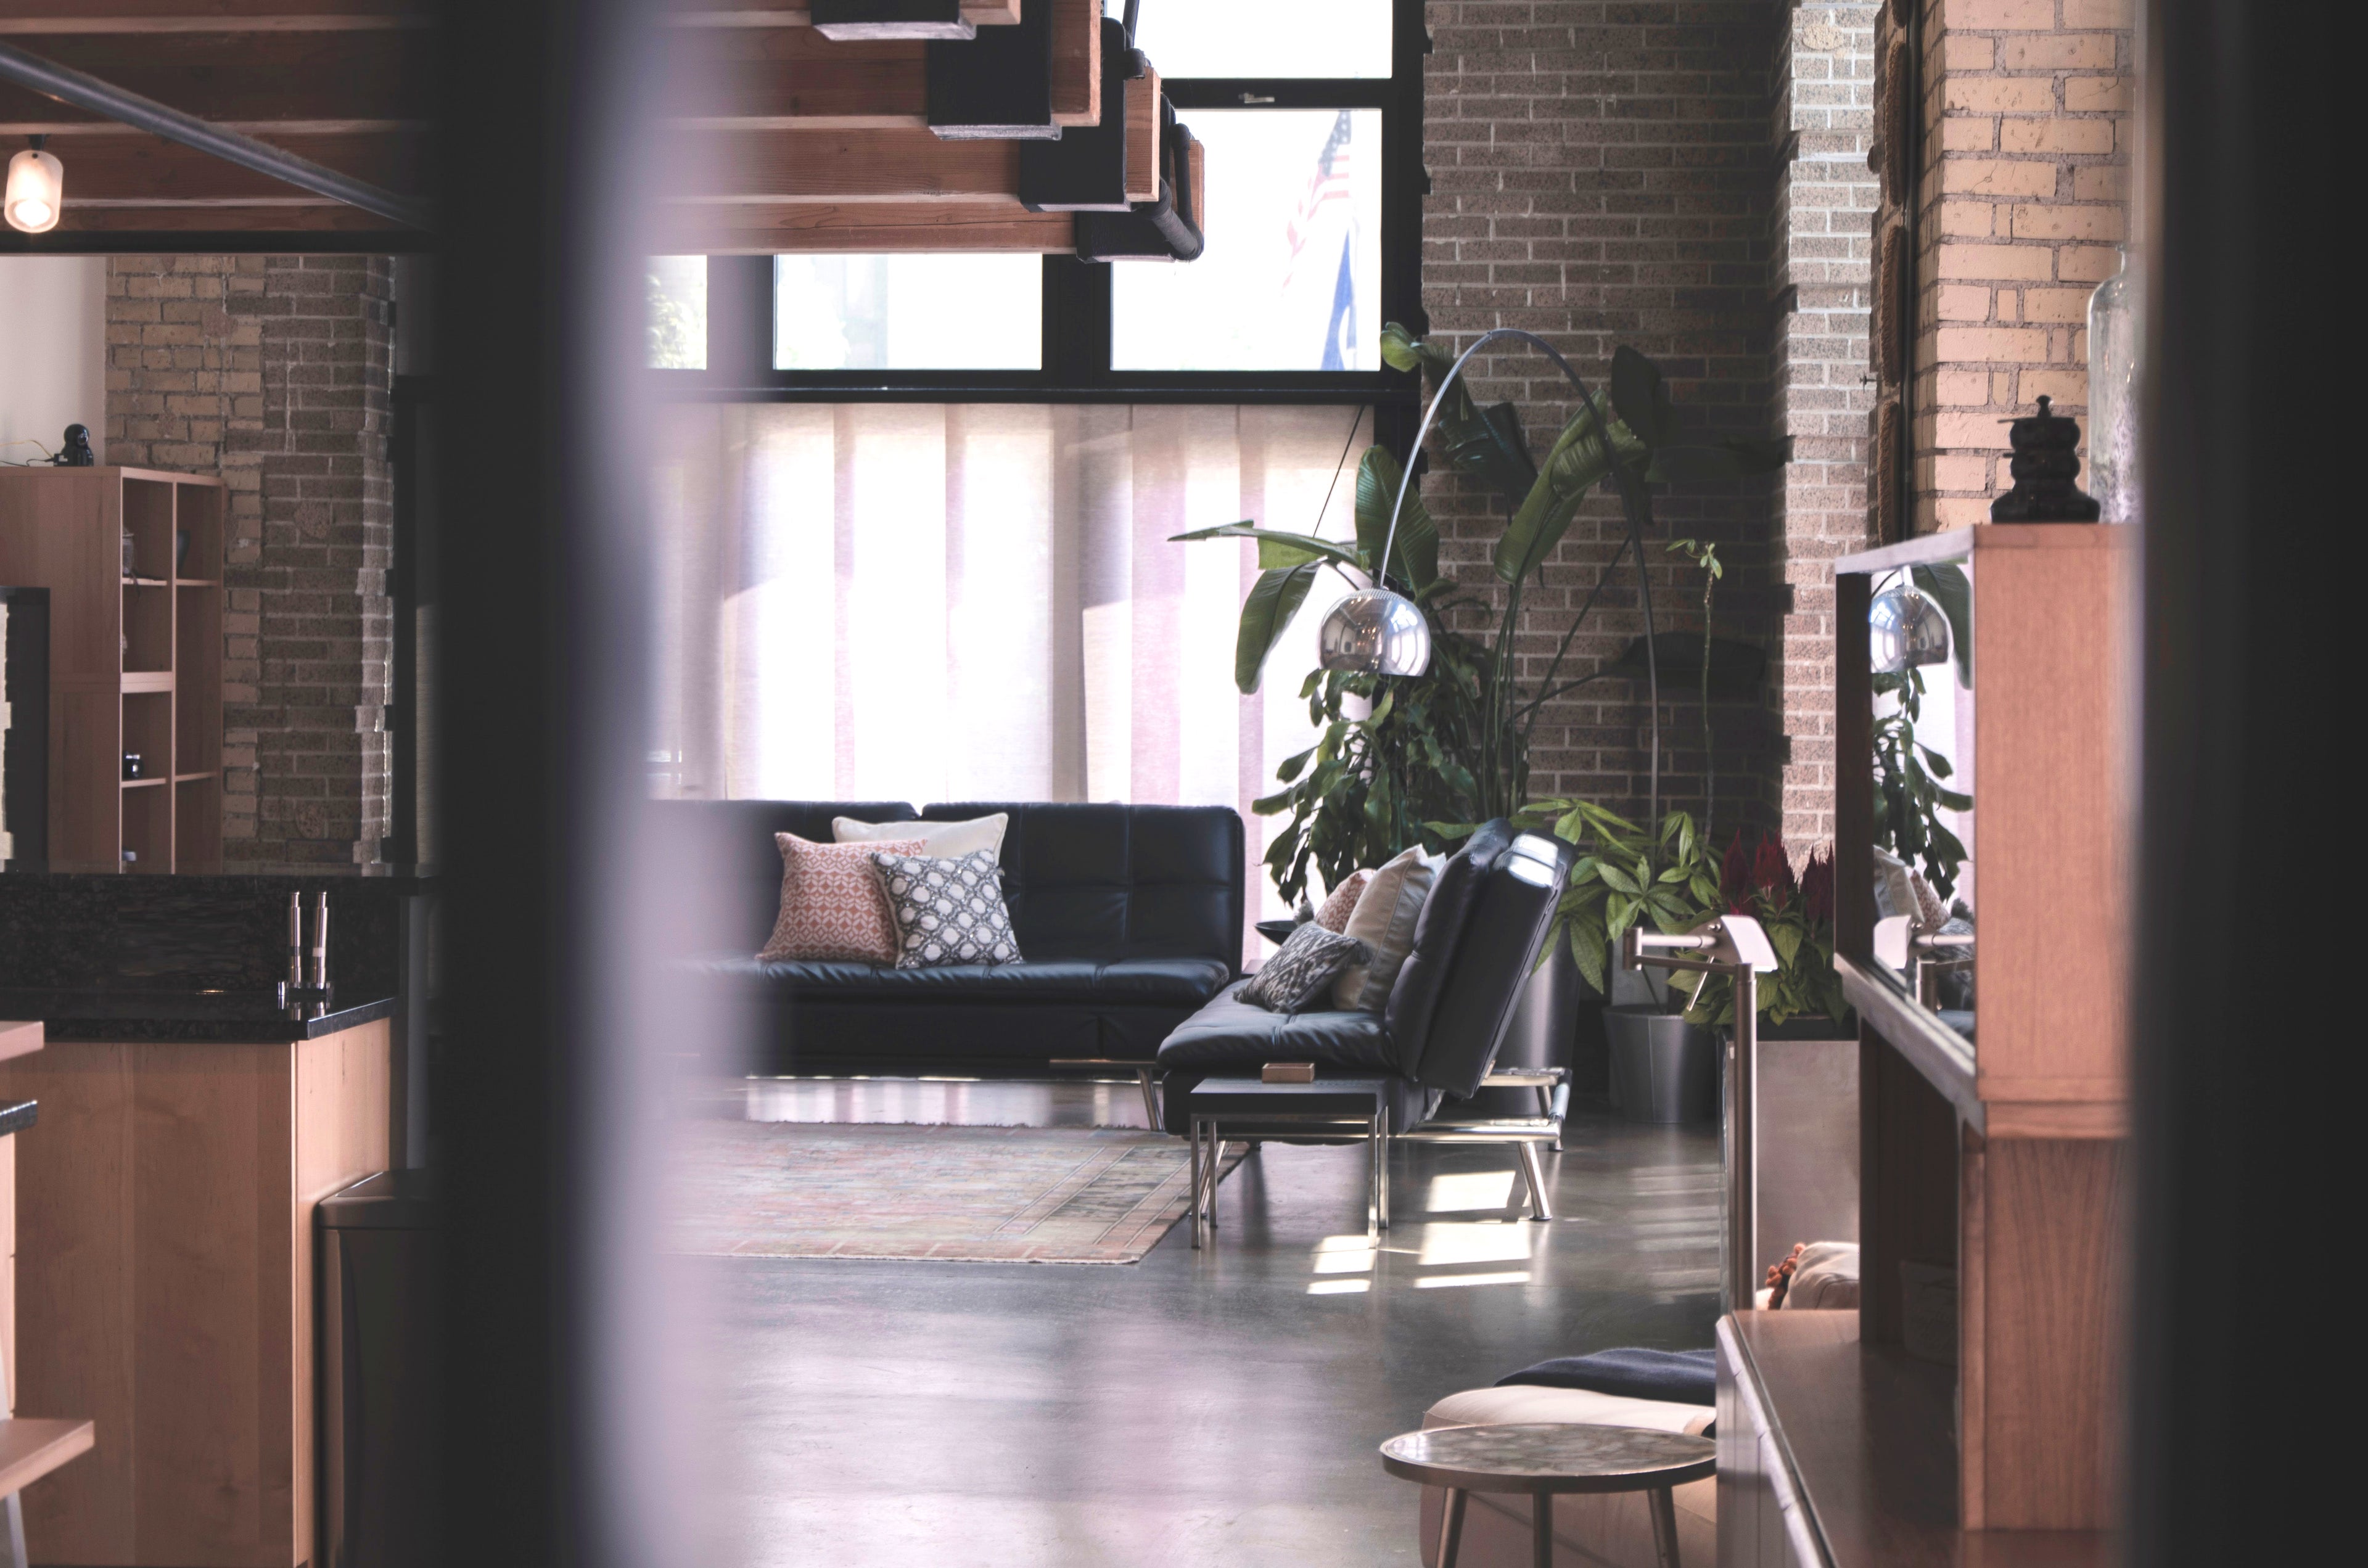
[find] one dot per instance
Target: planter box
(1663, 1069)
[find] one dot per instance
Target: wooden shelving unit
(1997, 1163)
(135, 659)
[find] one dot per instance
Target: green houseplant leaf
(1266, 615)
(1416, 549)
(1277, 549)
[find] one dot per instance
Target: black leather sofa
(1478, 937)
(1129, 918)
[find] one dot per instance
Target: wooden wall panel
(2049, 1324)
(75, 1298)
(166, 1289)
(2051, 887)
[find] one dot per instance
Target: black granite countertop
(240, 1017)
(18, 1116)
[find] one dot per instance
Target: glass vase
(2115, 319)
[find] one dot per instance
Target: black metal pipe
(83, 91)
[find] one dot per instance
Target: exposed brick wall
(1824, 193)
(277, 373)
(1602, 173)
(2023, 197)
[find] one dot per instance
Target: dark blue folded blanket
(1682, 1377)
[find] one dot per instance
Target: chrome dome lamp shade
(1376, 632)
(1905, 629)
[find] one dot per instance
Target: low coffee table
(1542, 1460)
(1329, 1111)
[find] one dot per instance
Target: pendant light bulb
(36, 183)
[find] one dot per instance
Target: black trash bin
(380, 1267)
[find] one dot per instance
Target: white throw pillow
(1383, 920)
(1824, 1280)
(941, 840)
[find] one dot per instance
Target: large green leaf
(1266, 615)
(1277, 549)
(1581, 457)
(1640, 398)
(1489, 445)
(1946, 586)
(1416, 549)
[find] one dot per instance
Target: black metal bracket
(1085, 171)
(1165, 230)
(997, 86)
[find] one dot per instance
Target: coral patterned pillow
(1334, 915)
(831, 905)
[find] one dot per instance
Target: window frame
(1076, 300)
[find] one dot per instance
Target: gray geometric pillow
(948, 911)
(1302, 969)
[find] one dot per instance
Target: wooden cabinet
(135, 658)
(165, 1285)
(1969, 1411)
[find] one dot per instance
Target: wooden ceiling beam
(840, 166)
(33, 17)
(252, 82)
(866, 228)
(132, 166)
(797, 13)
(308, 215)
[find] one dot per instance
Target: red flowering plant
(1797, 913)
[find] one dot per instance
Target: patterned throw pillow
(1302, 969)
(1334, 915)
(1384, 919)
(947, 911)
(831, 908)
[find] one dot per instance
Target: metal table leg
(1665, 1526)
(1192, 1197)
(1451, 1527)
(1541, 1531)
(1384, 1114)
(1533, 1172)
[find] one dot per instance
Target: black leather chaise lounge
(1479, 936)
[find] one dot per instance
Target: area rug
(951, 1194)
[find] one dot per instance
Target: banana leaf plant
(1477, 715)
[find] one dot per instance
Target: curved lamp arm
(1643, 579)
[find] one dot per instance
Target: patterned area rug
(955, 1193)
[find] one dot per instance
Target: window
(908, 312)
(678, 296)
(1292, 279)
(1311, 120)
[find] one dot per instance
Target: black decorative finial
(2046, 459)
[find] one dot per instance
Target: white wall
(52, 351)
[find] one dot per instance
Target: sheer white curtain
(910, 602)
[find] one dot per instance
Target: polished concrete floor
(1197, 1408)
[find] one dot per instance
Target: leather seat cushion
(1171, 981)
(1230, 1033)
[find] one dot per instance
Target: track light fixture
(37, 187)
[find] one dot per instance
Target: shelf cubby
(135, 660)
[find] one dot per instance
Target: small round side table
(1542, 1460)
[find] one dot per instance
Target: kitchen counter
(246, 1017)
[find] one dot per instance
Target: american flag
(1329, 183)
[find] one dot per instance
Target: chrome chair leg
(1383, 1153)
(1533, 1172)
(1150, 1099)
(1192, 1198)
